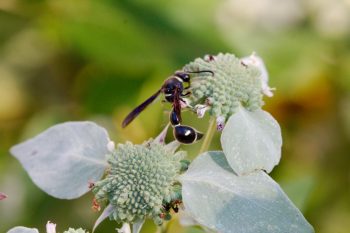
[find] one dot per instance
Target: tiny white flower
(201, 109)
(184, 103)
(124, 229)
(110, 146)
(50, 227)
(257, 61)
(220, 123)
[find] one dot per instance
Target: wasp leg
(186, 94)
(188, 86)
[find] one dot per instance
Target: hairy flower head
(142, 178)
(232, 84)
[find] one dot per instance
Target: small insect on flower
(174, 91)
(172, 205)
(95, 205)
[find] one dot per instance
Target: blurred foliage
(95, 60)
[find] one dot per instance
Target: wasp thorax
(141, 180)
(233, 84)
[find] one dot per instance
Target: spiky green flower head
(235, 82)
(71, 230)
(141, 181)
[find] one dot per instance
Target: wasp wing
(134, 113)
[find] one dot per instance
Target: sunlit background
(96, 60)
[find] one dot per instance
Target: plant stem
(205, 145)
(162, 229)
(208, 136)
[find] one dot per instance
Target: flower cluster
(235, 82)
(141, 181)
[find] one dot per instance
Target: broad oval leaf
(23, 230)
(219, 199)
(63, 159)
(185, 219)
(252, 141)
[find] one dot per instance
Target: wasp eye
(171, 89)
(184, 76)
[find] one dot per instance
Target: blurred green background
(96, 60)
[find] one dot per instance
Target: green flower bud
(233, 84)
(142, 178)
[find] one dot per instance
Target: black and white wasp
(174, 91)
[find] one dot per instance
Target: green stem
(163, 228)
(208, 136)
(205, 146)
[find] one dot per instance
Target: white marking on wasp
(180, 79)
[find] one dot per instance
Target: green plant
(224, 191)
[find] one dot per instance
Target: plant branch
(208, 136)
(163, 228)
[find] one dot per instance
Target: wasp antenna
(201, 71)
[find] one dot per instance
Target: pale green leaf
(252, 141)
(23, 230)
(219, 199)
(63, 159)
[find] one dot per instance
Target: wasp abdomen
(174, 119)
(186, 134)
